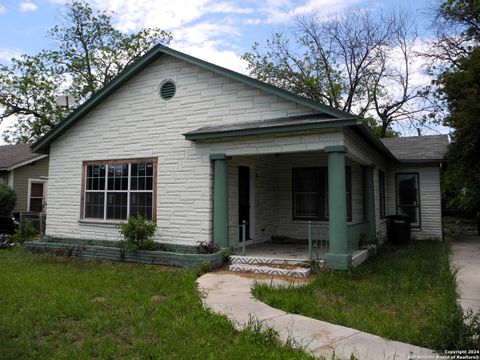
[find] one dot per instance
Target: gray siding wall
(430, 199)
(35, 170)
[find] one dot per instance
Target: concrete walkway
(466, 258)
(229, 294)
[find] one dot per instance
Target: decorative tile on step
(269, 270)
(237, 259)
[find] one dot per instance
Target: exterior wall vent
(167, 89)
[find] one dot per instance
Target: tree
(8, 199)
(456, 55)
(357, 63)
(461, 89)
(88, 52)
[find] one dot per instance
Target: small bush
(206, 247)
(8, 199)
(26, 232)
(137, 233)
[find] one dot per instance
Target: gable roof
(429, 148)
(42, 145)
(14, 156)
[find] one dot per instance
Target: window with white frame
(36, 195)
(116, 190)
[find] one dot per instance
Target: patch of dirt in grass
(98, 299)
(158, 297)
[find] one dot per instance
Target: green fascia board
(277, 129)
(336, 148)
(42, 145)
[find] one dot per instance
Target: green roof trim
(275, 129)
(42, 145)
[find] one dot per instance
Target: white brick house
(223, 148)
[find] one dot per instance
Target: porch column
(220, 200)
(338, 256)
(370, 202)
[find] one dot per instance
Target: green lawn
(405, 294)
(56, 308)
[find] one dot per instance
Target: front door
(244, 199)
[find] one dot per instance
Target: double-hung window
(310, 193)
(116, 190)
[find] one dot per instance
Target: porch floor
(278, 250)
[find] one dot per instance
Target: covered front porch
(304, 205)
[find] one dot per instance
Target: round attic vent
(167, 89)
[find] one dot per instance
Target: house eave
(276, 129)
(23, 163)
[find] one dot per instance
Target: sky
(219, 31)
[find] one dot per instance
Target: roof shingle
(11, 155)
(418, 148)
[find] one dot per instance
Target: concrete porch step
(271, 269)
(238, 259)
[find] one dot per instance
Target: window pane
(141, 169)
(381, 181)
(94, 204)
(141, 183)
(117, 176)
(116, 205)
(306, 205)
(306, 180)
(407, 189)
(411, 212)
(141, 204)
(149, 169)
(36, 190)
(36, 204)
(95, 179)
(149, 183)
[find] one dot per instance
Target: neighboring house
(25, 172)
(200, 148)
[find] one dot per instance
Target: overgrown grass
(56, 308)
(403, 293)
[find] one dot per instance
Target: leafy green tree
(8, 199)
(359, 63)
(87, 53)
(455, 55)
(461, 89)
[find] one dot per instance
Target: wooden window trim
(117, 161)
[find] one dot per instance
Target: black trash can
(398, 229)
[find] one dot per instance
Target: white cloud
(7, 54)
(27, 6)
(165, 14)
(3, 9)
(5, 125)
(207, 42)
(209, 52)
(281, 11)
